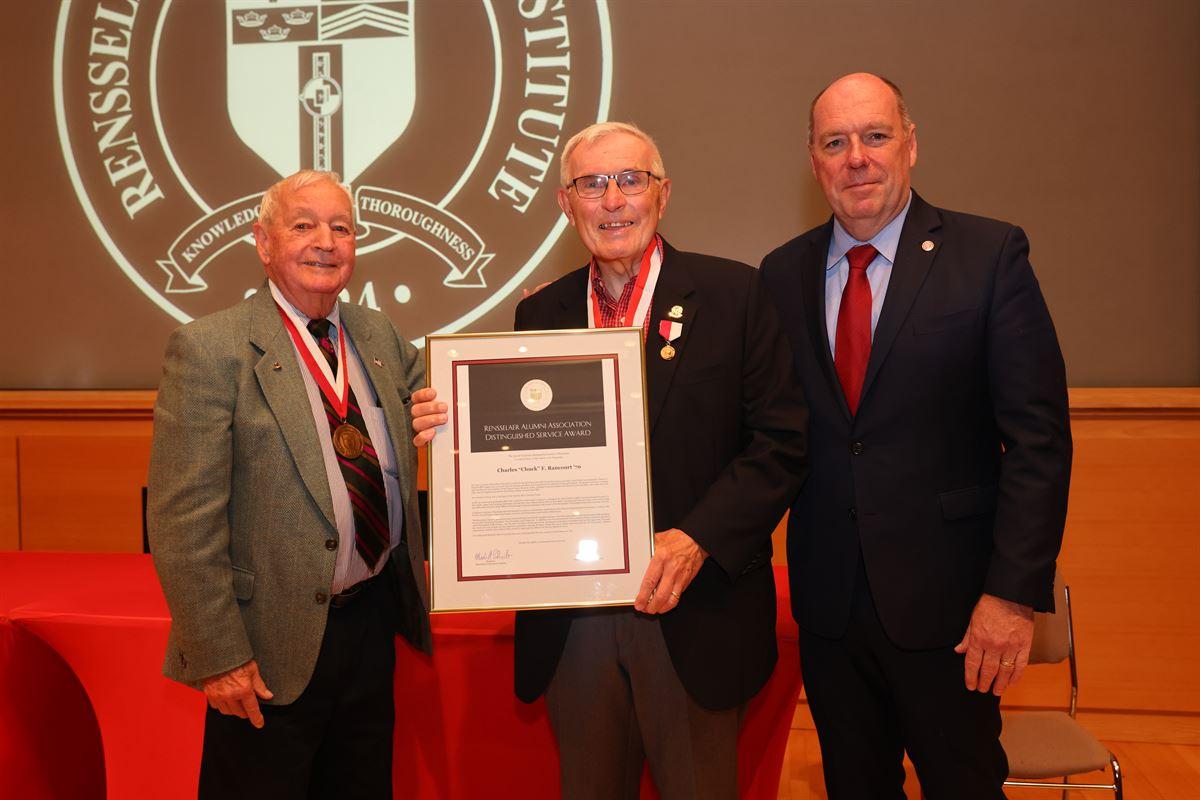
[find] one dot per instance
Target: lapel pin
(277, 365)
(676, 312)
(377, 362)
(926, 245)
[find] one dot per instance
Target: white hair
(294, 183)
(598, 131)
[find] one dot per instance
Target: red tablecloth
(459, 731)
(49, 739)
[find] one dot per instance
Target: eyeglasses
(630, 182)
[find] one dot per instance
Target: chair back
(1052, 631)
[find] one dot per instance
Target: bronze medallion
(348, 440)
(668, 352)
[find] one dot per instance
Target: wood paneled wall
(72, 469)
(1131, 553)
(72, 466)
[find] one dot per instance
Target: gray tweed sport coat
(239, 503)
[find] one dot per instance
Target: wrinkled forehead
(854, 105)
(322, 200)
(611, 153)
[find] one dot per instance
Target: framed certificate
(539, 487)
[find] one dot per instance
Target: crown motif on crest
(251, 19)
(275, 33)
(297, 17)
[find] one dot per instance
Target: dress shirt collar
(298, 317)
(886, 241)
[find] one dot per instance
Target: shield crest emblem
(320, 84)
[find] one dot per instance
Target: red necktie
(852, 342)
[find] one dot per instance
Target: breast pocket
(373, 416)
(701, 375)
(944, 322)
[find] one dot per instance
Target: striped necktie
(364, 479)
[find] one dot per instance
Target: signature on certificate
(495, 555)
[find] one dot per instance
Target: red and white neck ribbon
(670, 330)
(643, 289)
(337, 390)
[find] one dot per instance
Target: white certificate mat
(539, 489)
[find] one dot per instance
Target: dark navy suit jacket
(727, 441)
(952, 478)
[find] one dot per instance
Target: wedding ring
(675, 596)
(1007, 664)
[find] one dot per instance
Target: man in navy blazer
(667, 680)
(940, 453)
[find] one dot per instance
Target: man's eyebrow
(871, 125)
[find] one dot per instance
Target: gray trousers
(615, 701)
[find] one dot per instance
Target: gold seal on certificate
(539, 484)
(348, 441)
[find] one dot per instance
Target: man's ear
(664, 194)
(564, 203)
(262, 243)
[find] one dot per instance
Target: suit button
(331, 544)
(853, 512)
(320, 597)
(857, 448)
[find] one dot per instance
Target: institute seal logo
(446, 118)
(536, 395)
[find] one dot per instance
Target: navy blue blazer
(727, 441)
(952, 478)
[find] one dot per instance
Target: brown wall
(1076, 119)
(72, 465)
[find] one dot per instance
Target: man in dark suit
(940, 446)
(282, 515)
(667, 679)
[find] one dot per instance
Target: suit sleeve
(1027, 381)
(734, 519)
(191, 463)
(520, 319)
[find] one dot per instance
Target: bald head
(863, 79)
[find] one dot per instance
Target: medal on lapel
(670, 331)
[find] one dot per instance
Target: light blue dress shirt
(879, 271)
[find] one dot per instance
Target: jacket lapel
(287, 397)
(912, 264)
(391, 399)
(572, 302)
(674, 289)
(812, 290)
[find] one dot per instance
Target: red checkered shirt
(613, 311)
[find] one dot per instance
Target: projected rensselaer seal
(446, 118)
